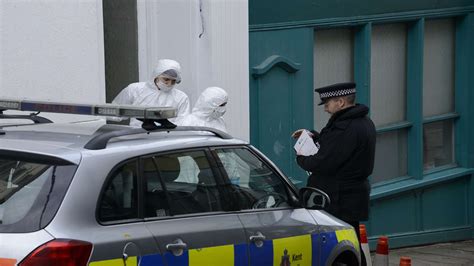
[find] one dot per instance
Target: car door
(188, 214)
(277, 232)
(122, 239)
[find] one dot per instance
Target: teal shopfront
(413, 63)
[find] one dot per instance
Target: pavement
(452, 253)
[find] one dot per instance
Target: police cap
(335, 90)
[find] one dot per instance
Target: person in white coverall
(158, 91)
(208, 111)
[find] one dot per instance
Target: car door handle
(177, 247)
(127, 248)
(258, 237)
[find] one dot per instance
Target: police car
(93, 193)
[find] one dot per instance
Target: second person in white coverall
(208, 111)
(158, 91)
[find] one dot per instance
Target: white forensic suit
(156, 94)
(208, 110)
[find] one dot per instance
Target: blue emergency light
(90, 109)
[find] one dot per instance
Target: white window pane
(438, 67)
(390, 156)
(388, 74)
(438, 144)
(333, 63)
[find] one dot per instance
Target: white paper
(304, 144)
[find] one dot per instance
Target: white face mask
(163, 87)
(218, 112)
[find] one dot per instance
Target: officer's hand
(297, 133)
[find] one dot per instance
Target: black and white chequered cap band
(337, 93)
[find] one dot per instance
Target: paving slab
(452, 253)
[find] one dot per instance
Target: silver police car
(98, 194)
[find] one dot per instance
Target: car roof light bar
(109, 132)
(90, 109)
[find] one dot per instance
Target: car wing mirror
(313, 198)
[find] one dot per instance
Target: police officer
(346, 154)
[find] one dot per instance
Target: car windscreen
(31, 189)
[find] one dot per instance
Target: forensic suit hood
(169, 67)
(208, 111)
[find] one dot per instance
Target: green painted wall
(424, 207)
(414, 73)
(428, 213)
(265, 12)
(464, 82)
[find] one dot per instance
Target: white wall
(171, 29)
(52, 50)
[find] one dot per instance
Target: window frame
(219, 175)
(452, 117)
(141, 187)
(289, 187)
(105, 184)
(212, 165)
(415, 120)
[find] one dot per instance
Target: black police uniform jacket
(343, 163)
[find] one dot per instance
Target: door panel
(276, 233)
(290, 237)
(331, 232)
(210, 240)
(122, 239)
(112, 244)
(281, 93)
(275, 117)
(184, 205)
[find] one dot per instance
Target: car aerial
(96, 193)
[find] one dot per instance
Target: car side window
(180, 183)
(119, 199)
(255, 185)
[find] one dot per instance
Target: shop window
(388, 99)
(388, 74)
(390, 156)
(438, 93)
(438, 68)
(438, 144)
(333, 63)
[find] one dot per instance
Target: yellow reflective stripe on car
(131, 261)
(295, 250)
(208, 256)
(348, 234)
